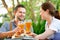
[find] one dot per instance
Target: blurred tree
(32, 11)
(10, 10)
(5, 5)
(47, 0)
(18, 2)
(13, 4)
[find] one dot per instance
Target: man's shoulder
(6, 22)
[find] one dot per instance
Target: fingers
(17, 29)
(31, 34)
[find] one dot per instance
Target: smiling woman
(52, 26)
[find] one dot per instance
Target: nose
(21, 14)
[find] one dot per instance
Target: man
(19, 13)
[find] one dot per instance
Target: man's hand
(18, 31)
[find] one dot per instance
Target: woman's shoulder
(55, 25)
(56, 21)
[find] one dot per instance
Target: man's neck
(16, 21)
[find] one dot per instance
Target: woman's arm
(46, 34)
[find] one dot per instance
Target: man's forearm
(6, 34)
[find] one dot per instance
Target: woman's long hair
(51, 8)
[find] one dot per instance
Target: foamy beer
(21, 24)
(28, 24)
(21, 31)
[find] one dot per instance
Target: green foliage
(5, 17)
(0, 24)
(39, 27)
(56, 3)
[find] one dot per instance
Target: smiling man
(19, 13)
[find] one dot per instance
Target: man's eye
(20, 12)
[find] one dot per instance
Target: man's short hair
(15, 9)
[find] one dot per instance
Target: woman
(52, 27)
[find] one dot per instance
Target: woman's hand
(37, 37)
(31, 34)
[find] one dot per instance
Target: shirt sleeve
(54, 27)
(4, 27)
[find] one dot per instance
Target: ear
(14, 12)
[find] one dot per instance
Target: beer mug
(21, 24)
(28, 24)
